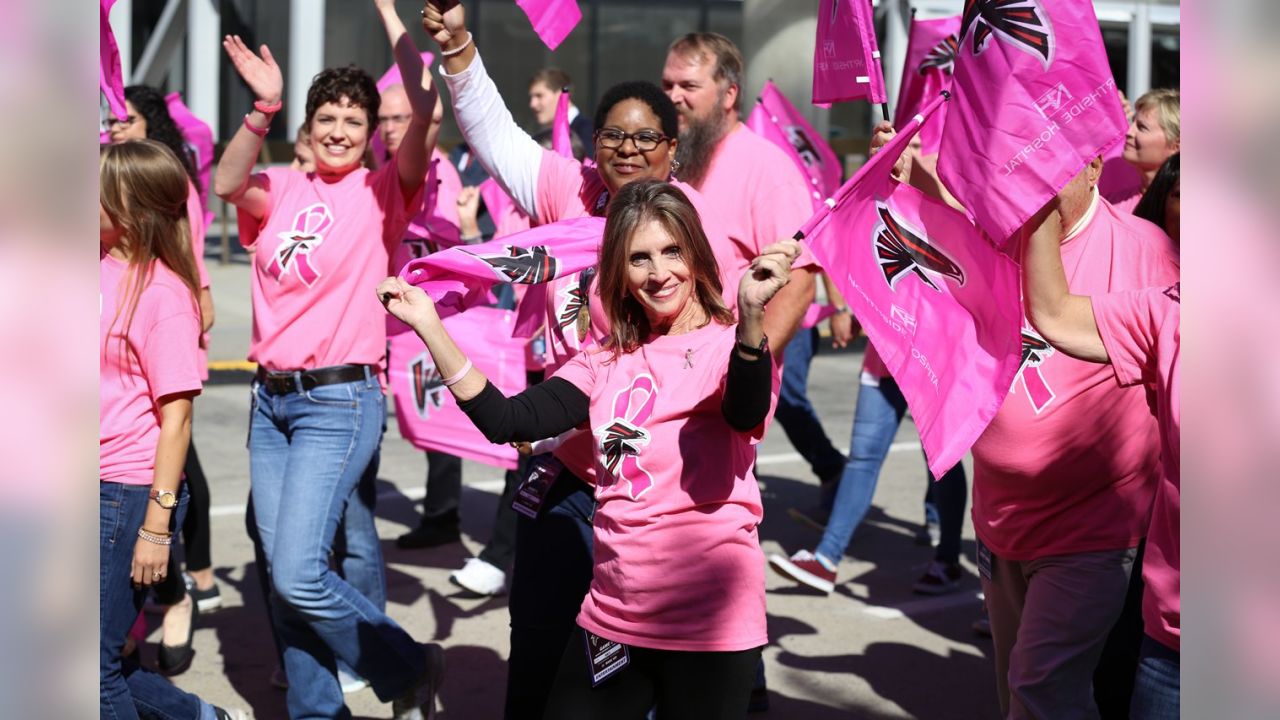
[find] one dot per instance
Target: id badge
(986, 567)
(533, 491)
(606, 657)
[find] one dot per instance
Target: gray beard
(697, 147)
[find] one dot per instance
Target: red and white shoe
(804, 567)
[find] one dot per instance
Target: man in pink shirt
(1064, 478)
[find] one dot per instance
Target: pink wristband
(266, 109)
(455, 378)
(260, 132)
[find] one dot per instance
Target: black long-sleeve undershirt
(552, 407)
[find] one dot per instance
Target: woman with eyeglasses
(675, 616)
(320, 239)
(635, 139)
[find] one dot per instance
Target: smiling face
(623, 164)
(1146, 147)
(339, 135)
(659, 279)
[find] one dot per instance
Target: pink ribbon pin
(623, 438)
(295, 251)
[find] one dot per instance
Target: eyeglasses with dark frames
(645, 140)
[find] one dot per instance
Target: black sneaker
(940, 578)
(206, 600)
(232, 714)
(429, 534)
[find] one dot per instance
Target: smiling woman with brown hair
(678, 588)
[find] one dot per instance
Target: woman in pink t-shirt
(150, 326)
(320, 240)
(1154, 135)
(1138, 333)
(674, 401)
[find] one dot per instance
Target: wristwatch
(755, 352)
(166, 499)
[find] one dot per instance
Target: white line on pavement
(916, 608)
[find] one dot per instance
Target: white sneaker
(351, 683)
(480, 578)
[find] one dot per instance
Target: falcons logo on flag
(527, 266)
(942, 56)
(619, 439)
(902, 250)
(572, 305)
(1022, 22)
(428, 386)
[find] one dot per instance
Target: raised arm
(542, 411)
(420, 137)
(510, 156)
(749, 384)
(1064, 320)
(233, 181)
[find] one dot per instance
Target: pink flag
(777, 120)
(495, 199)
(552, 20)
(846, 59)
(561, 141)
(929, 67)
(937, 300)
(459, 278)
(428, 415)
(199, 138)
(1034, 103)
(110, 76)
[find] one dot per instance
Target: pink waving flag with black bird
(846, 58)
(938, 301)
(199, 138)
(1034, 103)
(929, 67)
(552, 20)
(110, 76)
(459, 278)
(777, 120)
(426, 412)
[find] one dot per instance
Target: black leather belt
(280, 383)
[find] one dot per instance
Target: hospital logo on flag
(1024, 23)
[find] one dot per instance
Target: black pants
(444, 487)
(552, 575)
(949, 495)
(682, 685)
(1113, 679)
(501, 548)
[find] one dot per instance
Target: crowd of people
(685, 334)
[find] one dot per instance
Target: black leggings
(682, 685)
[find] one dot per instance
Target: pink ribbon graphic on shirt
(623, 438)
(1035, 350)
(295, 251)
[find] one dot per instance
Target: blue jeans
(879, 412)
(1157, 690)
(795, 413)
(550, 578)
(308, 450)
(125, 690)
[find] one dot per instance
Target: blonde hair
(143, 189)
(1167, 103)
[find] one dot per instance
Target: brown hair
(1167, 104)
(634, 205)
(701, 45)
(143, 189)
(552, 77)
(333, 84)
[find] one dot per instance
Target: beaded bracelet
(154, 538)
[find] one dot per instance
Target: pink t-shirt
(1070, 462)
(320, 251)
(760, 195)
(677, 557)
(1126, 202)
(156, 358)
(568, 189)
(431, 220)
(1140, 330)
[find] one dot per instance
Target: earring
(675, 167)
